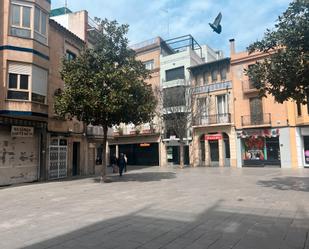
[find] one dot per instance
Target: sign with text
(22, 131)
(213, 137)
(144, 145)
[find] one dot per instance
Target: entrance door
(214, 152)
(57, 159)
(173, 156)
(76, 149)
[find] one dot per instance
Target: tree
(284, 73)
(105, 84)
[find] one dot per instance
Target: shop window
(272, 148)
(99, 153)
(306, 149)
(254, 148)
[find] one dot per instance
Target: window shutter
(19, 68)
(39, 80)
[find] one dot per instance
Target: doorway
(214, 152)
(76, 158)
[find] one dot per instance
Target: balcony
(248, 87)
(173, 83)
(217, 119)
(137, 131)
(263, 119)
(25, 109)
(97, 131)
(212, 87)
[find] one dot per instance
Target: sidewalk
(161, 208)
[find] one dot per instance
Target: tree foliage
(105, 85)
(284, 73)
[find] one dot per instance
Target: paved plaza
(215, 208)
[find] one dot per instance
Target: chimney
(232, 46)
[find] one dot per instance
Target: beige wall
(278, 112)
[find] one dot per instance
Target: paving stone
(151, 208)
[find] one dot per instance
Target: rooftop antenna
(168, 21)
(66, 6)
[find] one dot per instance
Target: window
(202, 106)
(222, 104)
(223, 74)
(174, 96)
(18, 86)
(256, 110)
(23, 87)
(21, 20)
(214, 75)
(298, 108)
(149, 64)
(205, 75)
(70, 55)
(175, 73)
(40, 27)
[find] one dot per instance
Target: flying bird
(216, 24)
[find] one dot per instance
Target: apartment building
(142, 143)
(176, 107)
(80, 25)
(214, 141)
(264, 135)
(24, 69)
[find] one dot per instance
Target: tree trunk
(181, 154)
(103, 170)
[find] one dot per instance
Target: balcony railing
(173, 83)
(260, 119)
(248, 87)
(224, 118)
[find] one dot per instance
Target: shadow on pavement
(218, 227)
(140, 177)
(287, 183)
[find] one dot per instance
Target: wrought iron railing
(224, 118)
(258, 119)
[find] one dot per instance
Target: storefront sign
(213, 137)
(258, 133)
(307, 156)
(144, 145)
(21, 131)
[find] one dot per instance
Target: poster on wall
(307, 156)
(254, 148)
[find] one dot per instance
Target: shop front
(305, 146)
(260, 147)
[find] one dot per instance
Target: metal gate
(57, 161)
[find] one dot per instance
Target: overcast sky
(246, 21)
